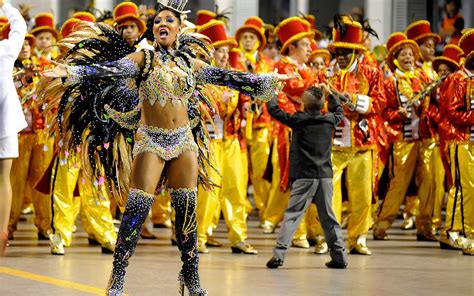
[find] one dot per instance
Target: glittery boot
(184, 202)
(138, 206)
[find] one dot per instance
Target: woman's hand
(58, 71)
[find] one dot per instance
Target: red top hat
(452, 55)
(128, 11)
(69, 26)
(44, 22)
(315, 51)
(395, 43)
(255, 25)
(204, 16)
(466, 43)
(215, 31)
(234, 57)
(312, 21)
(291, 30)
(84, 16)
(420, 30)
(353, 37)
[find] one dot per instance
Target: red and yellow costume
(258, 125)
(73, 192)
(406, 135)
(458, 107)
(355, 138)
(34, 155)
(451, 57)
(420, 31)
(44, 22)
(231, 195)
(288, 31)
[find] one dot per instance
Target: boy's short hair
(317, 101)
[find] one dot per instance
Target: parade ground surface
(400, 266)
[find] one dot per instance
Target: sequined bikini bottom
(166, 143)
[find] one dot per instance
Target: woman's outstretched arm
(128, 66)
(261, 86)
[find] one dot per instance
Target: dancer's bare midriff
(169, 116)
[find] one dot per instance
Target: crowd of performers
(407, 136)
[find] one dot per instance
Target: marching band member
(225, 147)
(420, 32)
(46, 35)
(446, 64)
(403, 113)
(252, 41)
(458, 93)
(355, 137)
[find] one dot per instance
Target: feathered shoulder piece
(78, 118)
(194, 45)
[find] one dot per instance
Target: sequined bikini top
(170, 79)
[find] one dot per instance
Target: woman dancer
(12, 119)
(167, 79)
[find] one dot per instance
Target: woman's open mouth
(163, 33)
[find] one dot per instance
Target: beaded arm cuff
(120, 69)
(261, 86)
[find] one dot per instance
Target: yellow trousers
(259, 153)
(161, 210)
(231, 197)
(460, 207)
(437, 182)
(95, 205)
(277, 200)
(358, 166)
(36, 153)
(410, 158)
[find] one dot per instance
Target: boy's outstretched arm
(280, 115)
(336, 109)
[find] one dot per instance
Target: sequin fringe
(165, 143)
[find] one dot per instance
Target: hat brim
(419, 39)
(444, 60)
(229, 42)
(253, 29)
(320, 52)
(294, 39)
(333, 46)
(131, 17)
(38, 30)
(397, 47)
